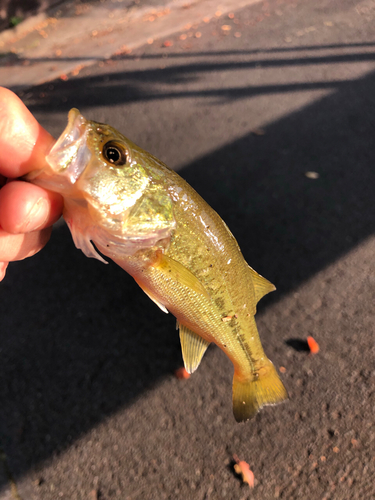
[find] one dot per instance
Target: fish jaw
(67, 159)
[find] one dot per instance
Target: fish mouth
(68, 157)
(70, 154)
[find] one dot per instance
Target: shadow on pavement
(154, 75)
(150, 84)
(298, 345)
(80, 341)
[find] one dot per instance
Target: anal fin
(193, 348)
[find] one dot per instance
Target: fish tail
(249, 396)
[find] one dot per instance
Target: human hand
(27, 212)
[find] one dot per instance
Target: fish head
(119, 185)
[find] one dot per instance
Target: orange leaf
(313, 345)
(243, 469)
(181, 373)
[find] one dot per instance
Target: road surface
(269, 114)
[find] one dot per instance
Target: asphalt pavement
(269, 112)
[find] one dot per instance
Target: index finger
(24, 143)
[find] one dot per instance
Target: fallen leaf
(312, 175)
(313, 345)
(181, 373)
(242, 468)
(258, 131)
(77, 69)
(124, 49)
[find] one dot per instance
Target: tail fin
(250, 395)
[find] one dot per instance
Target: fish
(122, 203)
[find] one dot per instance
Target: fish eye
(114, 153)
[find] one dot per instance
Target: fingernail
(37, 216)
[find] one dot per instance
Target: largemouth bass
(148, 220)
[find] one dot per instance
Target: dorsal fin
(261, 285)
(193, 348)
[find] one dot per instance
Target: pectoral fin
(193, 348)
(177, 272)
(261, 285)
